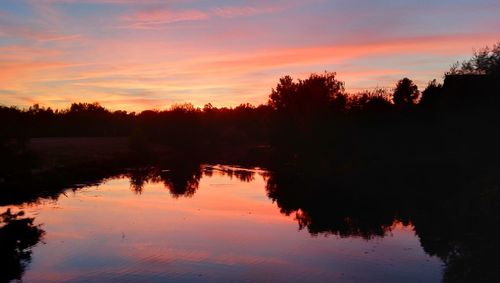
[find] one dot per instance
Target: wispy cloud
(31, 33)
(157, 16)
(161, 17)
(233, 11)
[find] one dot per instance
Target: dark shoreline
(71, 170)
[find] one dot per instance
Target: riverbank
(64, 163)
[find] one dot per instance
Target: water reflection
(180, 181)
(241, 174)
(218, 220)
(17, 236)
(183, 179)
(323, 207)
(459, 227)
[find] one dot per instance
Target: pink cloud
(156, 17)
(328, 54)
(153, 73)
(231, 12)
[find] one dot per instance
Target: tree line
(303, 118)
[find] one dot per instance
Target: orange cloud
(32, 34)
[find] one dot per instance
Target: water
(217, 224)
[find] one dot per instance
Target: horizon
(155, 54)
(249, 140)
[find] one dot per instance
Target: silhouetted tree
(432, 94)
(486, 61)
(312, 95)
(370, 101)
(406, 93)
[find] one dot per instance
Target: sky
(150, 54)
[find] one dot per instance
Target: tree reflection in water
(459, 226)
(183, 179)
(17, 236)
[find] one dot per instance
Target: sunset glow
(136, 55)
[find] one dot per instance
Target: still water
(216, 225)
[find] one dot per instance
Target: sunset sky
(136, 55)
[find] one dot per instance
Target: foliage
(405, 93)
(485, 61)
(431, 94)
(314, 94)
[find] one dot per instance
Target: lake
(209, 224)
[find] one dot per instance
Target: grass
(67, 152)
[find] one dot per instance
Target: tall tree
(405, 93)
(312, 95)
